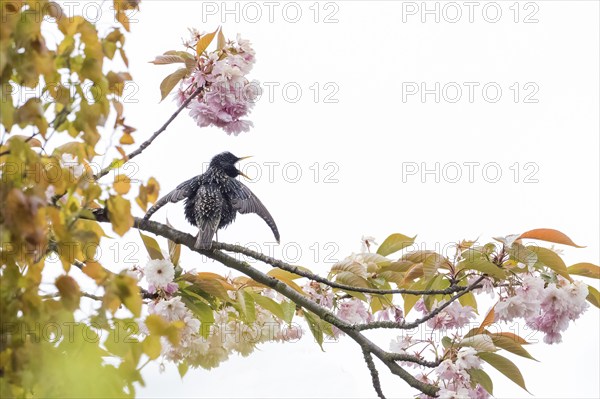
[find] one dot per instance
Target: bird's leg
(217, 236)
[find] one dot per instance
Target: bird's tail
(203, 241)
(159, 204)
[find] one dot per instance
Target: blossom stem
(146, 143)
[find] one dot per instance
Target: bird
(213, 199)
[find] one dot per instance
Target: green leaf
(585, 269)
(468, 299)
(480, 377)
(204, 312)
(504, 366)
(523, 254)
(170, 81)
(268, 304)
(409, 299)
(484, 266)
(152, 247)
(593, 296)
(446, 342)
(395, 243)
(351, 279)
(551, 259)
(213, 287)
(437, 283)
(349, 265)
(314, 327)
(480, 342)
(183, 368)
(431, 264)
(247, 305)
(289, 310)
(510, 345)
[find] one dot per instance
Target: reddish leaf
(549, 235)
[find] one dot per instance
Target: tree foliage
(56, 202)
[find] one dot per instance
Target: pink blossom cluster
(453, 316)
(560, 304)
(228, 95)
(453, 378)
(545, 308)
(319, 293)
(352, 311)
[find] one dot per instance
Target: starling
(213, 199)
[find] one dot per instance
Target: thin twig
(146, 143)
(418, 322)
(315, 277)
(28, 139)
(402, 357)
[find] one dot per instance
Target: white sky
(366, 139)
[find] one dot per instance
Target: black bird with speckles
(213, 199)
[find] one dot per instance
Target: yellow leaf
(95, 271)
(69, 292)
(549, 235)
(151, 346)
(166, 86)
(156, 324)
(152, 247)
(126, 139)
(395, 243)
(204, 42)
(593, 296)
(122, 184)
(119, 214)
(585, 269)
(122, 18)
(152, 189)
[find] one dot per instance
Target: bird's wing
(182, 191)
(207, 207)
(244, 201)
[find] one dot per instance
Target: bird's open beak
(241, 159)
(241, 174)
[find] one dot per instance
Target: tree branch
(324, 314)
(315, 277)
(146, 143)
